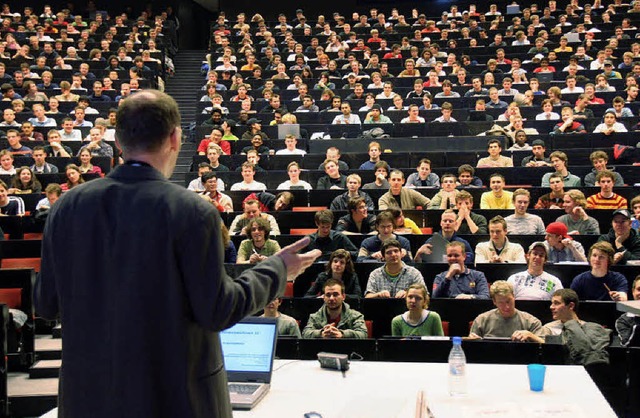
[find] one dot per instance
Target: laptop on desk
(288, 129)
(248, 349)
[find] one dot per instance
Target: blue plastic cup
(536, 376)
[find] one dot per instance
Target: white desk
(387, 390)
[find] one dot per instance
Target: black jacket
(134, 267)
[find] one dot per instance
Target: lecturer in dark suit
(134, 266)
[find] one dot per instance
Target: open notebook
(248, 349)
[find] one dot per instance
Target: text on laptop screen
(248, 347)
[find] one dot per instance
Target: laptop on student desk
(289, 128)
(248, 349)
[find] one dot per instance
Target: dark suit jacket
(134, 266)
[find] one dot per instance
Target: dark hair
(333, 282)
(33, 185)
(568, 296)
(323, 217)
(390, 243)
(263, 224)
(208, 176)
(349, 268)
(145, 120)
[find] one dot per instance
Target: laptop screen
(248, 348)
(289, 128)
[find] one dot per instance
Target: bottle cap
(457, 340)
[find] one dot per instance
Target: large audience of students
(530, 78)
(521, 81)
(62, 75)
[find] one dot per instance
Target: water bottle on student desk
(457, 369)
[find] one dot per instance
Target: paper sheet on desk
(510, 410)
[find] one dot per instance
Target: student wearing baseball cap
(560, 246)
(624, 240)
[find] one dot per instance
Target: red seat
(445, 328)
(13, 263)
(11, 297)
(302, 231)
(288, 290)
(33, 235)
(369, 324)
(308, 208)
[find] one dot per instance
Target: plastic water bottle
(457, 369)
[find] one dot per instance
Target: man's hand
(495, 259)
(617, 257)
(377, 255)
(256, 258)
(383, 294)
(524, 335)
(578, 210)
(463, 212)
(620, 239)
(618, 296)
(454, 269)
(330, 331)
(297, 263)
(425, 249)
(464, 296)
(401, 294)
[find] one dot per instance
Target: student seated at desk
(577, 221)
(610, 126)
(537, 159)
(467, 177)
(341, 202)
(505, 321)
(495, 159)
(628, 324)
(418, 320)
(394, 277)
(423, 177)
(623, 238)
(560, 246)
(459, 281)
(327, 240)
(497, 198)
(568, 125)
(521, 222)
(587, 342)
(339, 267)
(446, 196)
(294, 182)
(467, 222)
(335, 319)
(287, 325)
(560, 162)
(359, 220)
(606, 198)
(600, 283)
(534, 283)
(448, 232)
(599, 159)
(370, 248)
(403, 197)
(402, 224)
(251, 210)
(258, 247)
(333, 179)
(499, 249)
(381, 170)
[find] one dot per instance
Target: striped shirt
(597, 201)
